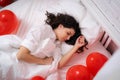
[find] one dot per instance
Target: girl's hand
(80, 42)
(47, 60)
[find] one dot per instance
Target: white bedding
(32, 12)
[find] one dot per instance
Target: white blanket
(12, 69)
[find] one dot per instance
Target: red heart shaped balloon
(8, 22)
(95, 61)
(78, 72)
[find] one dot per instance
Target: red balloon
(37, 78)
(8, 22)
(4, 3)
(95, 61)
(78, 72)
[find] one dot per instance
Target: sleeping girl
(39, 53)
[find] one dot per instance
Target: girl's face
(63, 33)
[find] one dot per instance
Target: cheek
(62, 36)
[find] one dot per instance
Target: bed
(32, 12)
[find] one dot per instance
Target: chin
(61, 40)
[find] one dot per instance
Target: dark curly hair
(68, 22)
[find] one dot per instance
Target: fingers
(48, 60)
(81, 40)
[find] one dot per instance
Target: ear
(60, 26)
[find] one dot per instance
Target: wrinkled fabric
(45, 46)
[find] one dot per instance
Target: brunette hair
(67, 21)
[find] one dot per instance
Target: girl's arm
(79, 43)
(24, 55)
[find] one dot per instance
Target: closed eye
(68, 33)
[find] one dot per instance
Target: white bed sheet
(32, 12)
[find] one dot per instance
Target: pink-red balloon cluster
(94, 62)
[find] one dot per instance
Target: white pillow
(90, 28)
(71, 7)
